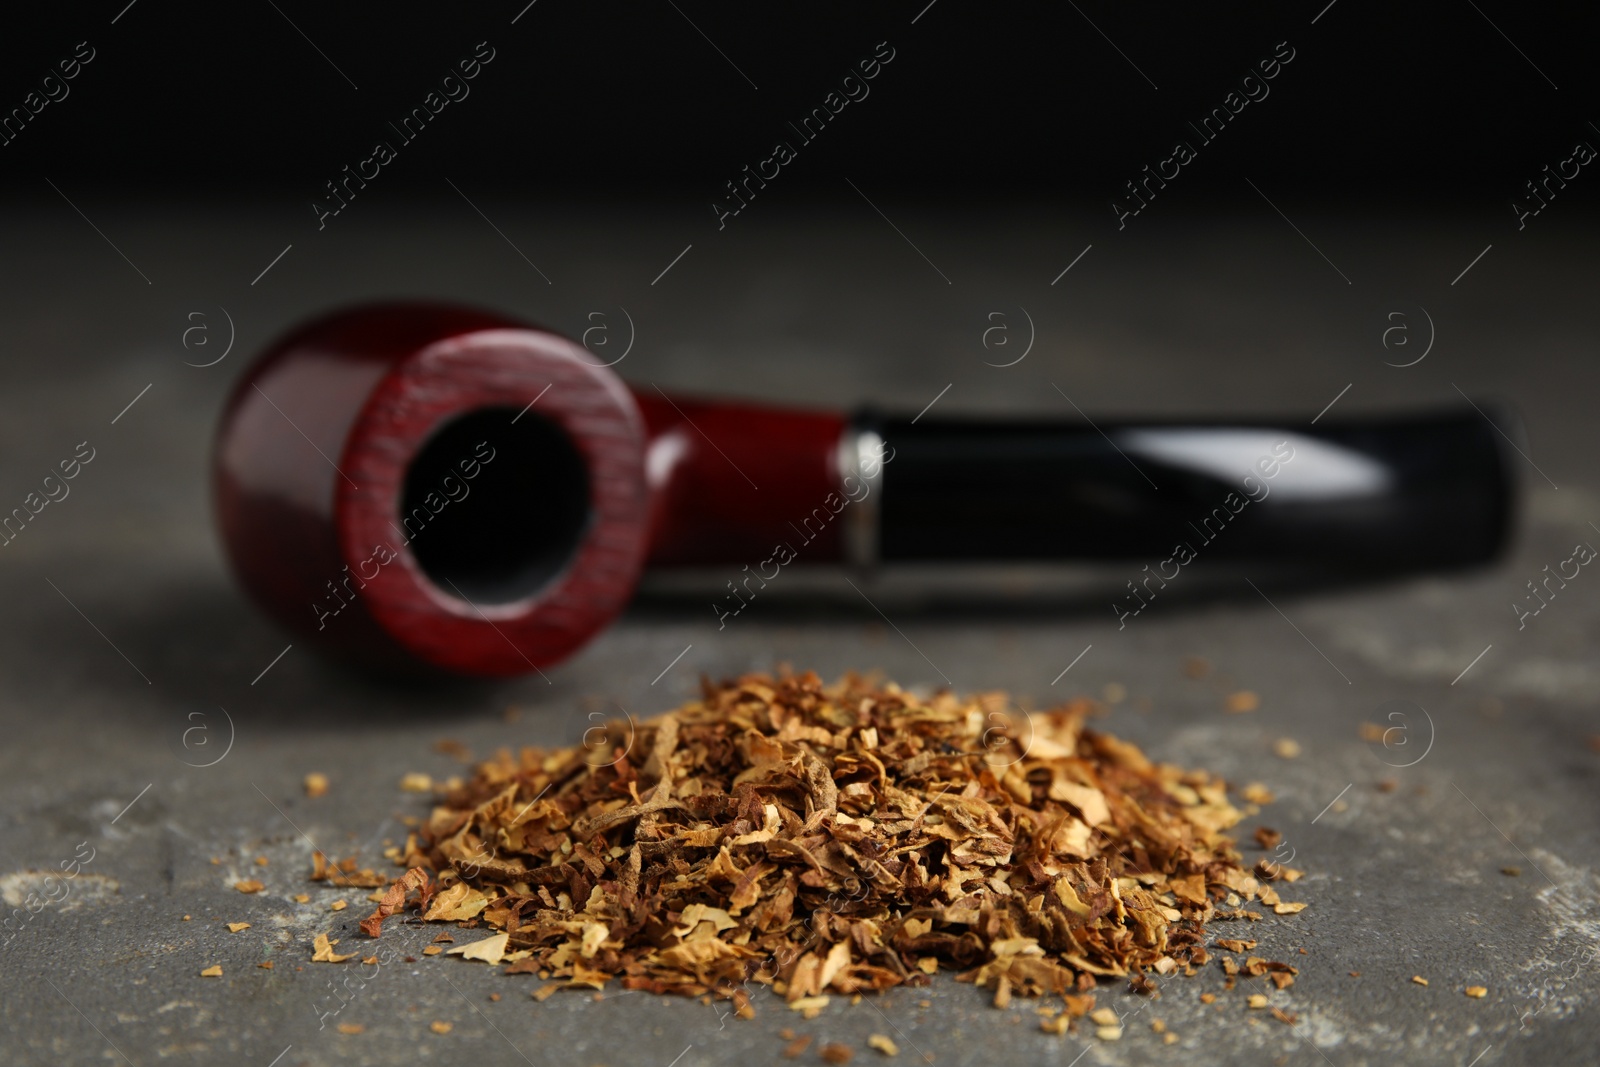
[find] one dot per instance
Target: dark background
(185, 162)
(1397, 106)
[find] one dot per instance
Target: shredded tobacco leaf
(833, 839)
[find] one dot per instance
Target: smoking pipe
(410, 483)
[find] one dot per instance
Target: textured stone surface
(1227, 315)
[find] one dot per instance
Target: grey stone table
(128, 658)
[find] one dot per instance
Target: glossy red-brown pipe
(315, 444)
(349, 455)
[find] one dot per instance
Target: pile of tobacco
(841, 838)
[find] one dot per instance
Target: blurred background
(1364, 187)
(1399, 110)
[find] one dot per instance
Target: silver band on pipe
(861, 462)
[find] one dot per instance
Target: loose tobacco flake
(833, 839)
(322, 951)
(346, 873)
(395, 898)
(1243, 700)
(1257, 793)
(491, 949)
(884, 1044)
